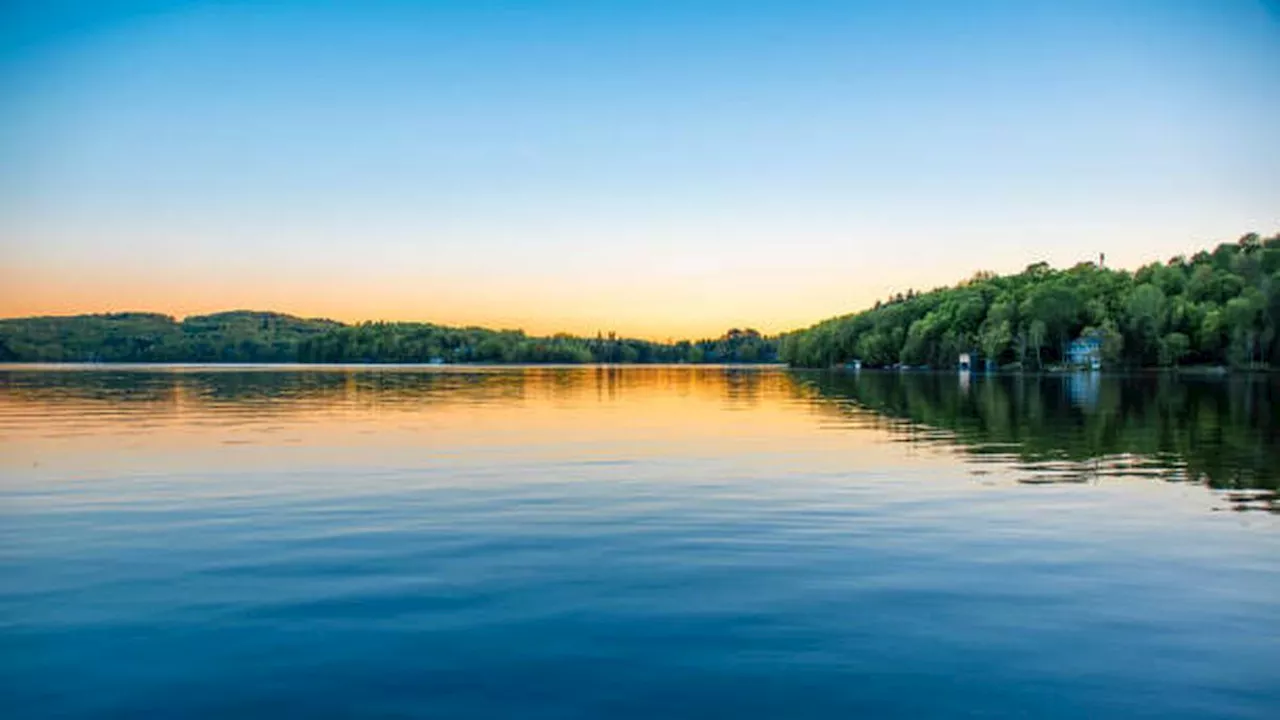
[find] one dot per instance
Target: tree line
(253, 337)
(1218, 307)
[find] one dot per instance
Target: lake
(636, 542)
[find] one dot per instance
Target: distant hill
(1218, 307)
(264, 337)
(236, 336)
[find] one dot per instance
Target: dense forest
(244, 336)
(1214, 308)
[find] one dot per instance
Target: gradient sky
(656, 168)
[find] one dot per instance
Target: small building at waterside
(1085, 352)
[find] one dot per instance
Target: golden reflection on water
(62, 423)
(89, 418)
(270, 527)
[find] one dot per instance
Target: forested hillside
(239, 336)
(1216, 307)
(1220, 307)
(419, 342)
(244, 336)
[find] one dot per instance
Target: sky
(659, 169)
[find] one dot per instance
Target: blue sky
(655, 168)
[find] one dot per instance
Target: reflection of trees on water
(276, 391)
(1219, 431)
(1069, 428)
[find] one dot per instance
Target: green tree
(1174, 347)
(1146, 310)
(1037, 335)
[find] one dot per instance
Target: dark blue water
(647, 542)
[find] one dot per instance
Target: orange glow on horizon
(637, 296)
(653, 310)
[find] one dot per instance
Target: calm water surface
(636, 542)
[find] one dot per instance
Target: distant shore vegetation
(1218, 307)
(268, 337)
(1214, 308)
